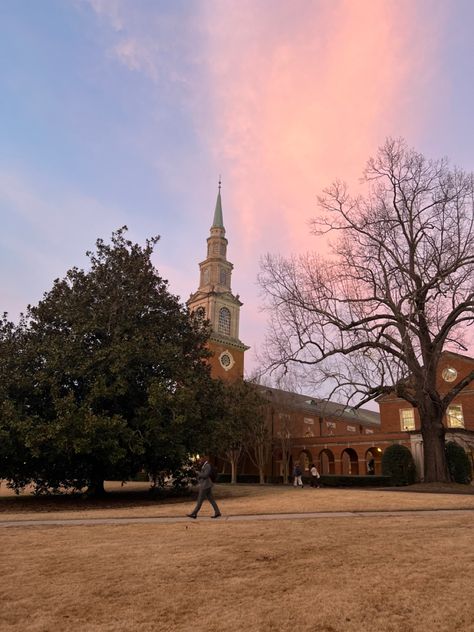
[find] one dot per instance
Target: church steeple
(215, 301)
(218, 221)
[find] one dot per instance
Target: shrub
(459, 466)
(398, 463)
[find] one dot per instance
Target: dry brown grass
(408, 573)
(132, 500)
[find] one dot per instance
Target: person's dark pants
(203, 494)
(314, 481)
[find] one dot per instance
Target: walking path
(54, 522)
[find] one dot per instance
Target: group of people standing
(298, 476)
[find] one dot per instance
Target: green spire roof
(218, 221)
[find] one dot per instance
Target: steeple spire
(218, 221)
(215, 302)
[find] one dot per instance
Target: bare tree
(240, 424)
(283, 413)
(375, 316)
(257, 438)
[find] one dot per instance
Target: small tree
(282, 410)
(257, 438)
(229, 431)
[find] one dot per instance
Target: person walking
(297, 476)
(205, 491)
(314, 476)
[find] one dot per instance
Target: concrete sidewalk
(53, 522)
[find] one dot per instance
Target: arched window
(224, 321)
(222, 277)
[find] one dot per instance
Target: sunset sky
(120, 112)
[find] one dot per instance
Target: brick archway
(305, 460)
(349, 462)
(375, 454)
(326, 462)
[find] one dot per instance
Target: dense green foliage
(459, 465)
(107, 375)
(398, 463)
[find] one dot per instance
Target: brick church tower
(214, 301)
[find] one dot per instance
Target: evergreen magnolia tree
(105, 376)
(375, 316)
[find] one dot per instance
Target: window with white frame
(407, 418)
(454, 416)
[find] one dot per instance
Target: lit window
(224, 321)
(455, 417)
(407, 419)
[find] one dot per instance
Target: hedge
(326, 480)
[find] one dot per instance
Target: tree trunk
(233, 469)
(434, 455)
(261, 473)
(96, 488)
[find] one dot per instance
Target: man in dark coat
(205, 491)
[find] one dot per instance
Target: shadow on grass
(117, 498)
(124, 497)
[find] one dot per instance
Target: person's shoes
(216, 515)
(192, 516)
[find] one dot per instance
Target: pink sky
(121, 112)
(302, 97)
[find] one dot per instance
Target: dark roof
(320, 407)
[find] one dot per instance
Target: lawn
(403, 573)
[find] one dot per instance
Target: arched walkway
(305, 459)
(326, 462)
(373, 461)
(349, 462)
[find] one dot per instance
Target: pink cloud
(303, 94)
(286, 96)
(302, 97)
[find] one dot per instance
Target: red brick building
(338, 439)
(399, 419)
